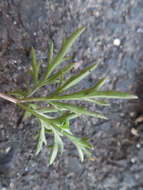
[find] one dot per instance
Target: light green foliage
(59, 125)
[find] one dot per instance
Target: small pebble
(140, 30)
(96, 13)
(134, 132)
(116, 42)
(19, 68)
(14, 22)
(3, 188)
(11, 185)
(52, 7)
(26, 169)
(18, 174)
(132, 114)
(122, 114)
(7, 149)
(133, 160)
(138, 145)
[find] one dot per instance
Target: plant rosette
(59, 125)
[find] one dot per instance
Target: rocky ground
(113, 37)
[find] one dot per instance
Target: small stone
(11, 185)
(19, 68)
(96, 13)
(122, 114)
(18, 174)
(140, 30)
(7, 149)
(52, 7)
(77, 65)
(133, 160)
(26, 169)
(132, 114)
(134, 132)
(14, 22)
(116, 42)
(3, 188)
(138, 145)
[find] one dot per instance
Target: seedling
(59, 125)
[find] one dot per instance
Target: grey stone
(74, 165)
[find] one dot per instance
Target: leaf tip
(91, 158)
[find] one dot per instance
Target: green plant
(58, 125)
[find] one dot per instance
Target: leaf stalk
(8, 98)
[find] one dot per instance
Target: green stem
(34, 91)
(25, 100)
(41, 84)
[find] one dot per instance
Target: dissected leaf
(87, 152)
(49, 131)
(57, 123)
(47, 109)
(64, 49)
(18, 93)
(28, 88)
(42, 139)
(67, 58)
(86, 139)
(100, 83)
(28, 114)
(64, 117)
(65, 125)
(98, 102)
(54, 152)
(81, 144)
(77, 78)
(38, 68)
(81, 155)
(77, 109)
(61, 80)
(33, 112)
(111, 94)
(55, 77)
(85, 143)
(44, 115)
(51, 122)
(59, 141)
(83, 94)
(34, 66)
(50, 57)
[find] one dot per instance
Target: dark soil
(118, 142)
